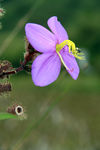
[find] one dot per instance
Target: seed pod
(30, 53)
(5, 87)
(15, 109)
(4, 67)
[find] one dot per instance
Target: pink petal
(45, 69)
(57, 29)
(40, 38)
(71, 63)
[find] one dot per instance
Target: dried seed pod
(5, 87)
(30, 53)
(17, 110)
(4, 67)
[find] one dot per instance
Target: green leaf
(4, 116)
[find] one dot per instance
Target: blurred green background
(74, 123)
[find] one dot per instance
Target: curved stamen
(76, 52)
(63, 62)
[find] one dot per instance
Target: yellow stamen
(69, 43)
(72, 50)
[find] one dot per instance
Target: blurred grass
(74, 122)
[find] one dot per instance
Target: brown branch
(6, 73)
(5, 66)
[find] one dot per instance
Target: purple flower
(56, 48)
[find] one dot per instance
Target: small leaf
(4, 116)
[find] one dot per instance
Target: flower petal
(45, 69)
(57, 29)
(71, 63)
(40, 38)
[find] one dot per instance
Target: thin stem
(12, 72)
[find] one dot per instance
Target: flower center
(73, 50)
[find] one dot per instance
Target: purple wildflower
(56, 48)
